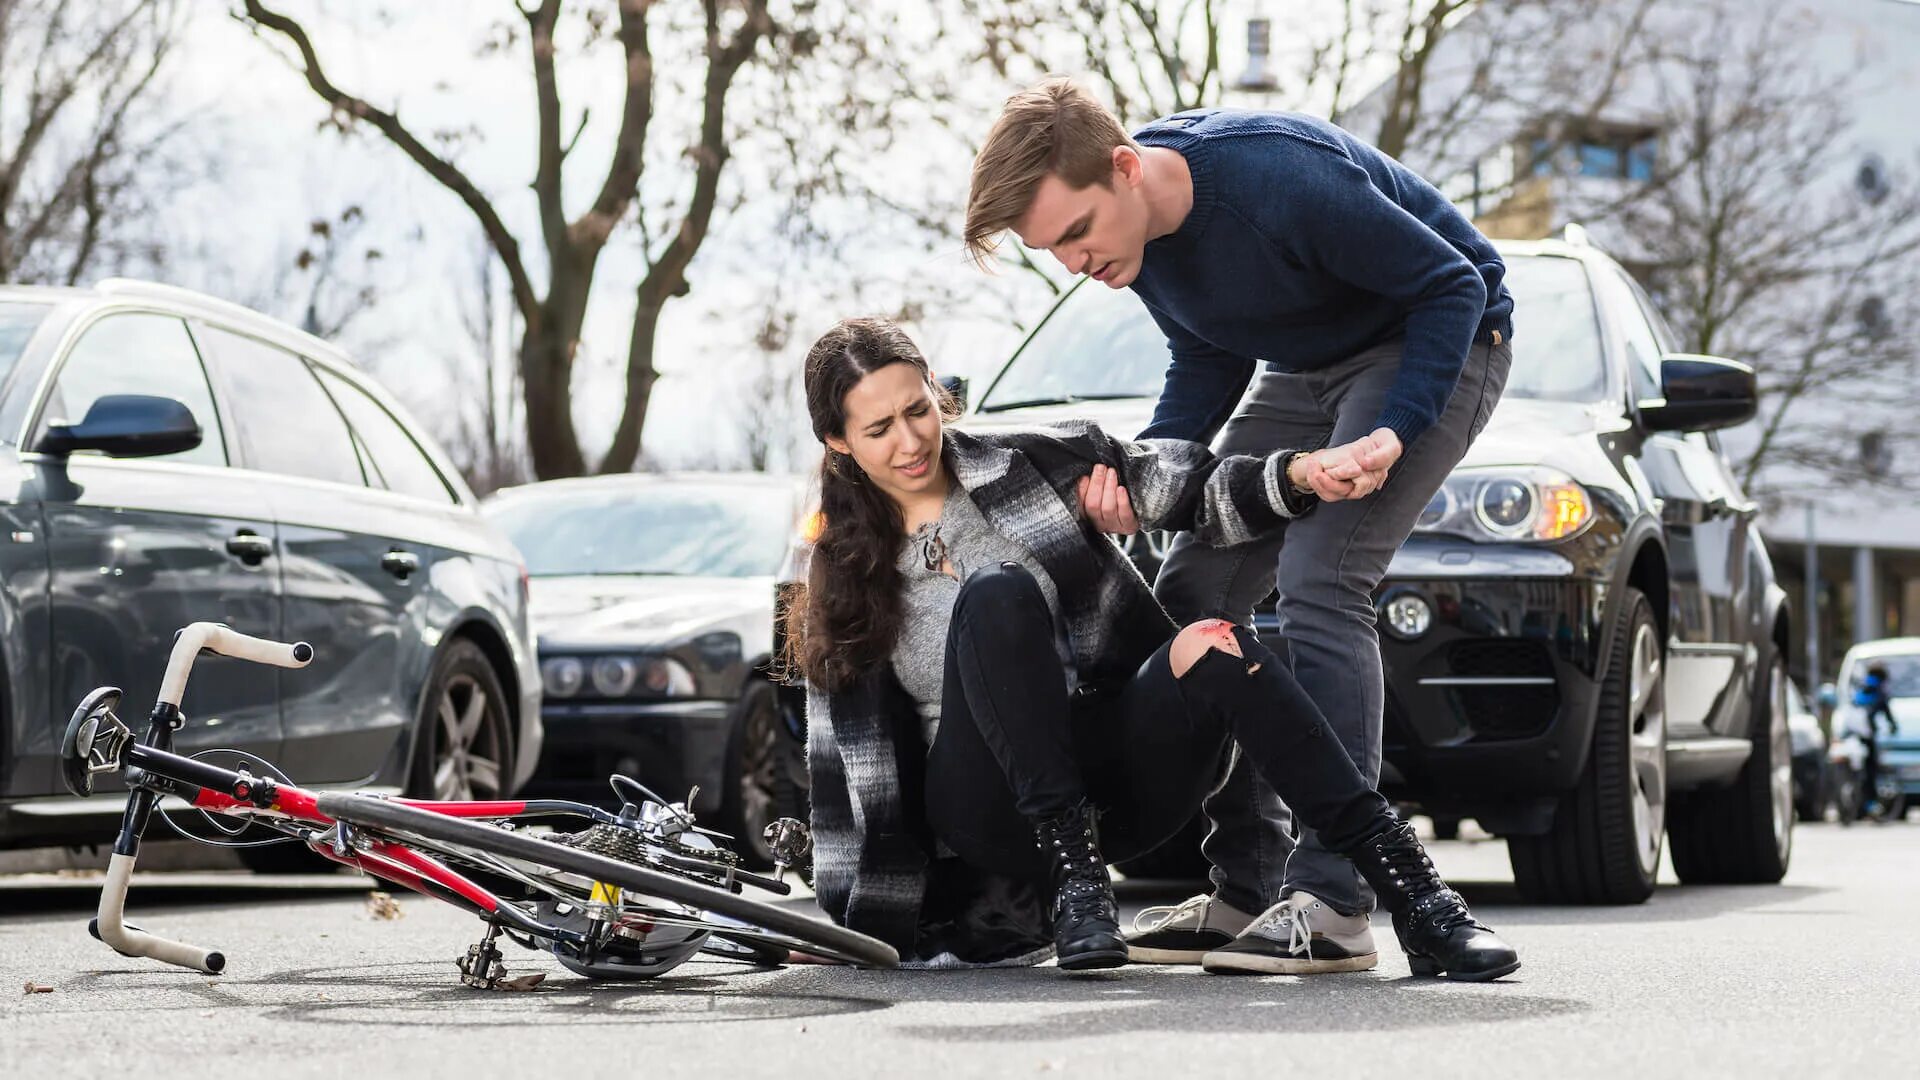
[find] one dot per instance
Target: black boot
(1436, 930)
(1086, 919)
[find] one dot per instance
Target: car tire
(1742, 834)
(1604, 845)
(764, 776)
(464, 745)
(284, 857)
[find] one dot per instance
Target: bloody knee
(1196, 639)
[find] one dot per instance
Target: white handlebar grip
(227, 642)
(125, 939)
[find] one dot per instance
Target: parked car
(1899, 754)
(177, 458)
(656, 640)
(1811, 787)
(1584, 644)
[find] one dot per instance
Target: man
(1380, 313)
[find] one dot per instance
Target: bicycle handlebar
(131, 941)
(227, 642)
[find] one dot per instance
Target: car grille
(1497, 712)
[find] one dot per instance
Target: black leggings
(1013, 744)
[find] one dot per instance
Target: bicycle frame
(98, 742)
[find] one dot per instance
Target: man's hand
(1106, 502)
(1362, 465)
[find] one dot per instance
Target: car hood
(620, 610)
(1527, 431)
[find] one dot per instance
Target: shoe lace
(1299, 930)
(1159, 918)
(1407, 862)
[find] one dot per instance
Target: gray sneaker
(1298, 936)
(1183, 933)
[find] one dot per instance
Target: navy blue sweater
(1304, 247)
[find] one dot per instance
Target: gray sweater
(927, 598)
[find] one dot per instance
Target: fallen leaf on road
(382, 905)
(36, 988)
(521, 982)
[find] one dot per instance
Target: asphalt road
(1812, 978)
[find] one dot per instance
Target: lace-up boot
(1086, 919)
(1436, 930)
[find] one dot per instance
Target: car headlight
(1511, 503)
(616, 676)
(613, 676)
(562, 676)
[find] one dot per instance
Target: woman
(986, 668)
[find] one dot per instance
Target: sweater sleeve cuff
(1280, 491)
(1406, 423)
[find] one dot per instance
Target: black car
(656, 642)
(178, 459)
(1584, 644)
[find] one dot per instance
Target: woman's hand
(1106, 502)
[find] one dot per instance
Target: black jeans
(1013, 744)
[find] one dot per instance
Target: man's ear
(1127, 166)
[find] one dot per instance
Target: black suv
(1585, 647)
(173, 458)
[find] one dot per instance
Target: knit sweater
(1304, 247)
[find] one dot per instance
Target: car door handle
(400, 563)
(250, 546)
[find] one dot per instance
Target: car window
(288, 423)
(1102, 343)
(394, 461)
(1903, 675)
(1637, 338)
(706, 530)
(18, 321)
(138, 353)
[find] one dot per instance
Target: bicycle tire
(827, 939)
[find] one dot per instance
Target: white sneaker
(1182, 933)
(1298, 936)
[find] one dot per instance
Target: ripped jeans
(1013, 744)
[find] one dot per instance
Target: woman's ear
(839, 446)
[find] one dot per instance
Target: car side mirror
(955, 385)
(126, 425)
(1829, 696)
(1701, 393)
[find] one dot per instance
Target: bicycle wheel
(812, 935)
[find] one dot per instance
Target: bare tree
(1761, 249)
(82, 159)
(480, 426)
(729, 36)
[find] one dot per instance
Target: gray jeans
(1326, 566)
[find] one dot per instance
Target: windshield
(17, 323)
(1903, 675)
(1102, 343)
(706, 530)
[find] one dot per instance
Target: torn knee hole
(1198, 639)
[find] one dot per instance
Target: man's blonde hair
(1054, 127)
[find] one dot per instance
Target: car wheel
(765, 775)
(465, 749)
(1743, 833)
(1604, 846)
(284, 857)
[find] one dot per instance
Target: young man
(1379, 311)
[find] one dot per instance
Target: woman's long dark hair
(848, 617)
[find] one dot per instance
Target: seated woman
(987, 669)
